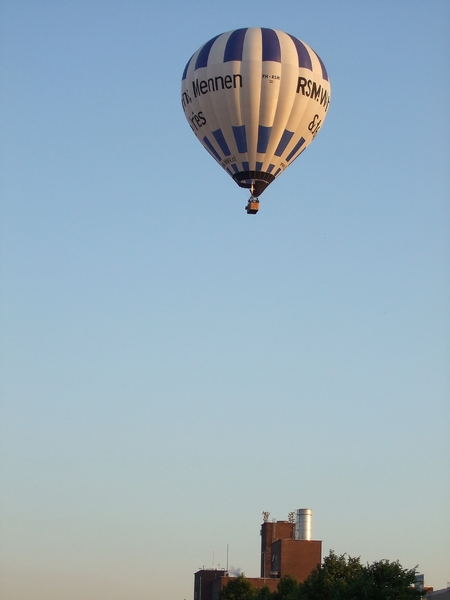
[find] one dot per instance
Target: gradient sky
(172, 367)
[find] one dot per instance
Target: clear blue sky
(172, 367)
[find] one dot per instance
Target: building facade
(281, 554)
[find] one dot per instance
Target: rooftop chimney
(303, 524)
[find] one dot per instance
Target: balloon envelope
(255, 98)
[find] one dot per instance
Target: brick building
(286, 549)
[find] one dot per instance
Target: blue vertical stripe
(270, 45)
(278, 171)
(259, 166)
(211, 148)
(263, 138)
(186, 68)
(203, 55)
(295, 149)
(304, 59)
(285, 139)
(221, 141)
(235, 45)
(245, 166)
(235, 168)
(240, 138)
(324, 71)
(271, 168)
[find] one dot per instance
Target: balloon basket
(252, 206)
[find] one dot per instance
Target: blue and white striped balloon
(255, 98)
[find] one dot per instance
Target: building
(286, 549)
(439, 594)
(430, 591)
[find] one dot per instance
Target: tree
(238, 588)
(337, 578)
(264, 593)
(287, 589)
(386, 580)
(345, 578)
(332, 579)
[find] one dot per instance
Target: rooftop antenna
(227, 559)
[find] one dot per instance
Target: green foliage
(238, 588)
(263, 593)
(389, 581)
(337, 578)
(333, 579)
(287, 589)
(345, 578)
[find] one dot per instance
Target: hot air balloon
(255, 98)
